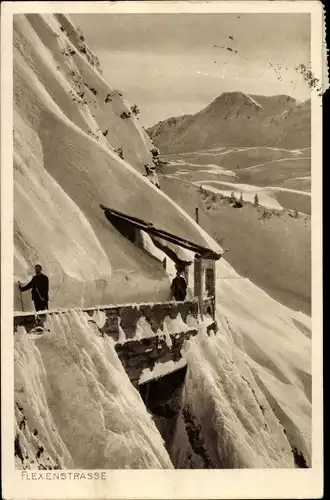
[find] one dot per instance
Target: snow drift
(75, 405)
(68, 125)
(247, 394)
(246, 400)
(231, 420)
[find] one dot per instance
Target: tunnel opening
(162, 397)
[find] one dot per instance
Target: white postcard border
(208, 484)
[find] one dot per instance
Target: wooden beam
(151, 229)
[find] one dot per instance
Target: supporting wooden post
(186, 274)
(210, 281)
(196, 215)
(198, 282)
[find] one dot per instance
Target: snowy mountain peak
(237, 119)
(234, 99)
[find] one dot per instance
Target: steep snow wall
(225, 421)
(247, 394)
(75, 405)
(246, 399)
(67, 126)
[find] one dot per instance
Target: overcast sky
(171, 64)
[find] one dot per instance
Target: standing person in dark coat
(179, 287)
(40, 289)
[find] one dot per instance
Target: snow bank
(143, 329)
(275, 342)
(171, 326)
(175, 325)
(225, 420)
(78, 403)
(246, 400)
(181, 253)
(247, 394)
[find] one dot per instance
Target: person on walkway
(40, 288)
(179, 287)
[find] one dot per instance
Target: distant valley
(241, 146)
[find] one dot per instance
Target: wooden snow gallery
(146, 334)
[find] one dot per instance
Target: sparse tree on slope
(155, 152)
(256, 200)
(135, 110)
(125, 114)
(120, 152)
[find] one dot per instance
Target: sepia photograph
(161, 243)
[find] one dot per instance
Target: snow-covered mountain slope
(247, 392)
(67, 126)
(238, 119)
(75, 406)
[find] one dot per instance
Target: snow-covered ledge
(126, 316)
(144, 334)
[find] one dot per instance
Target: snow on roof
(164, 237)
